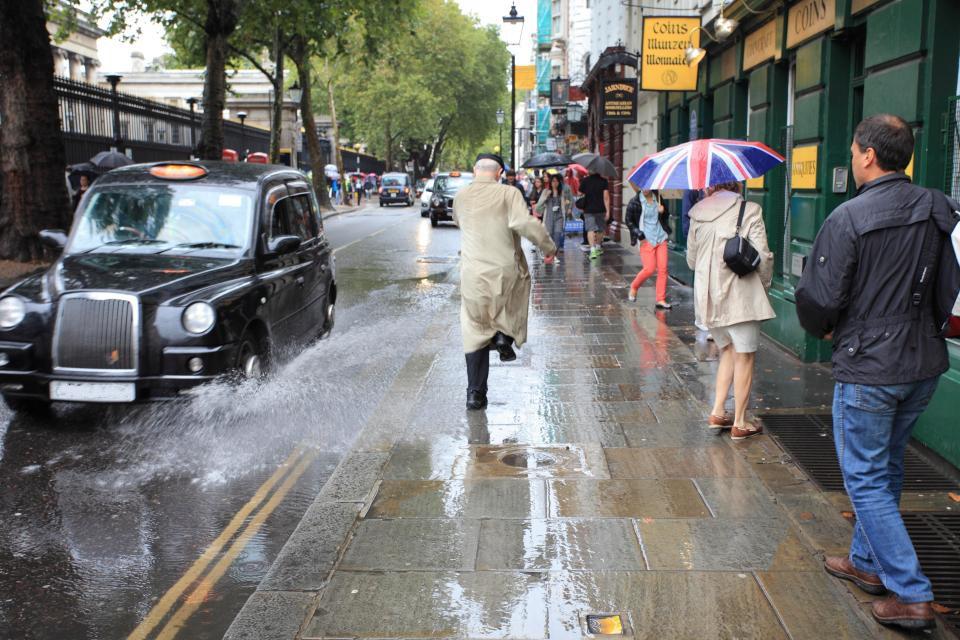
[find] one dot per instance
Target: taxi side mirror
(282, 245)
(53, 238)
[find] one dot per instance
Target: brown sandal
(746, 431)
(720, 422)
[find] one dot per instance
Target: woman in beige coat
(731, 306)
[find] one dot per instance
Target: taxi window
(394, 181)
(292, 217)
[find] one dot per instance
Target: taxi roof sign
(178, 171)
(454, 174)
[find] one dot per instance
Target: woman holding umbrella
(731, 304)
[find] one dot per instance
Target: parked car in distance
(396, 188)
(173, 275)
(425, 198)
(445, 187)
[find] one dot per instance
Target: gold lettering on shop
(803, 170)
(808, 18)
(662, 67)
(760, 46)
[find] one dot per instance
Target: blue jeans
(871, 428)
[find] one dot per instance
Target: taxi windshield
(451, 184)
(166, 218)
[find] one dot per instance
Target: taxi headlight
(199, 318)
(12, 312)
(436, 201)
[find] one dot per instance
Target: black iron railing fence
(951, 183)
(149, 130)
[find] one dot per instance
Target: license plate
(93, 391)
(394, 192)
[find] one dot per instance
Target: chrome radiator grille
(97, 331)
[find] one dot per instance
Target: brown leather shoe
(746, 431)
(720, 422)
(890, 611)
(841, 567)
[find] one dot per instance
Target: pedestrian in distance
(731, 306)
(511, 179)
(494, 277)
(81, 190)
(554, 207)
(866, 288)
(649, 224)
(358, 188)
(595, 203)
(534, 197)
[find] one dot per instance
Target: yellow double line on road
(300, 460)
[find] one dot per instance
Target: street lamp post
(114, 80)
(500, 115)
(193, 125)
(513, 20)
(243, 138)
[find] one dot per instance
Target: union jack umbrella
(701, 163)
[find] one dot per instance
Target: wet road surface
(161, 520)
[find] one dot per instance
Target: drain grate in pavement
(808, 439)
(936, 537)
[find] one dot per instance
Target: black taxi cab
(396, 188)
(445, 187)
(172, 275)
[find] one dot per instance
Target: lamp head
(723, 28)
(692, 55)
(295, 92)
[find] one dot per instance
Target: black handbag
(738, 253)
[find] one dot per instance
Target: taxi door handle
(300, 280)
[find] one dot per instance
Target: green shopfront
(799, 76)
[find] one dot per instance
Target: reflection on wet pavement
(104, 508)
(615, 496)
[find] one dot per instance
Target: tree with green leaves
(442, 83)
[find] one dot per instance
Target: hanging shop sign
(662, 67)
(619, 101)
(756, 183)
(803, 171)
(559, 92)
(526, 77)
(808, 18)
(760, 46)
(860, 5)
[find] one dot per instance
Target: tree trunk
(33, 192)
(335, 124)
(221, 21)
(276, 131)
(389, 138)
(300, 59)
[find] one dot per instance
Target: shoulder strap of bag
(929, 257)
(743, 207)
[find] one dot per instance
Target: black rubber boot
(478, 369)
(504, 346)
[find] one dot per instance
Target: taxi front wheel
(251, 359)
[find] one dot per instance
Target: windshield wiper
(143, 241)
(202, 245)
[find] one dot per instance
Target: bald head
(487, 168)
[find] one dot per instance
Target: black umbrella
(107, 160)
(595, 163)
(548, 159)
(82, 169)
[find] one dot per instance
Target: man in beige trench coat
(494, 278)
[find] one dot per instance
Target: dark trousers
(478, 369)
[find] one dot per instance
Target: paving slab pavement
(590, 485)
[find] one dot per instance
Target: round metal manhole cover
(528, 459)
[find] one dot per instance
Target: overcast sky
(115, 52)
